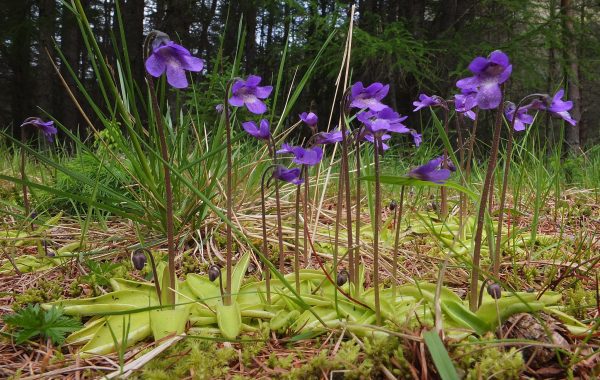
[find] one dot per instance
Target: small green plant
(33, 321)
(101, 272)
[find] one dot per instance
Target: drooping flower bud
(138, 259)
(342, 277)
(393, 204)
(494, 290)
(214, 272)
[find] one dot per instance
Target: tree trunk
(572, 76)
(71, 44)
(133, 21)
(19, 62)
(46, 75)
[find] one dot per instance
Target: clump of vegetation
(86, 164)
(489, 362)
(578, 300)
(200, 358)
(43, 291)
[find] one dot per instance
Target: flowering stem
(467, 174)
(473, 302)
(154, 273)
(24, 176)
(354, 273)
(509, 146)
(297, 236)
(444, 191)
(305, 213)
(229, 194)
(470, 152)
(278, 211)
(461, 157)
(345, 178)
(397, 241)
(168, 191)
(377, 141)
(267, 272)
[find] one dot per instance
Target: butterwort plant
(164, 56)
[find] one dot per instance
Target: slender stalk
(266, 271)
(336, 241)
(155, 274)
(444, 190)
(473, 301)
(468, 163)
(229, 194)
(345, 181)
(509, 147)
(377, 141)
(470, 152)
(24, 175)
(297, 236)
(461, 156)
(278, 211)
(397, 242)
(168, 190)
(305, 212)
(356, 269)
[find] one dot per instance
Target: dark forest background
(416, 46)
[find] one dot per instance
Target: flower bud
(342, 277)
(494, 290)
(138, 259)
(393, 205)
(214, 272)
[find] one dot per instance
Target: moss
(489, 362)
(43, 291)
(577, 299)
(202, 359)
(190, 264)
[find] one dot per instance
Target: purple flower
(219, 108)
(417, 137)
(370, 138)
(309, 118)
(383, 121)
(490, 73)
(47, 127)
(465, 102)
(522, 116)
(556, 106)
(332, 137)
(288, 175)
(369, 97)
(261, 133)
(431, 172)
(174, 59)
(248, 92)
(426, 101)
(310, 157)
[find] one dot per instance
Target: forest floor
(565, 258)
